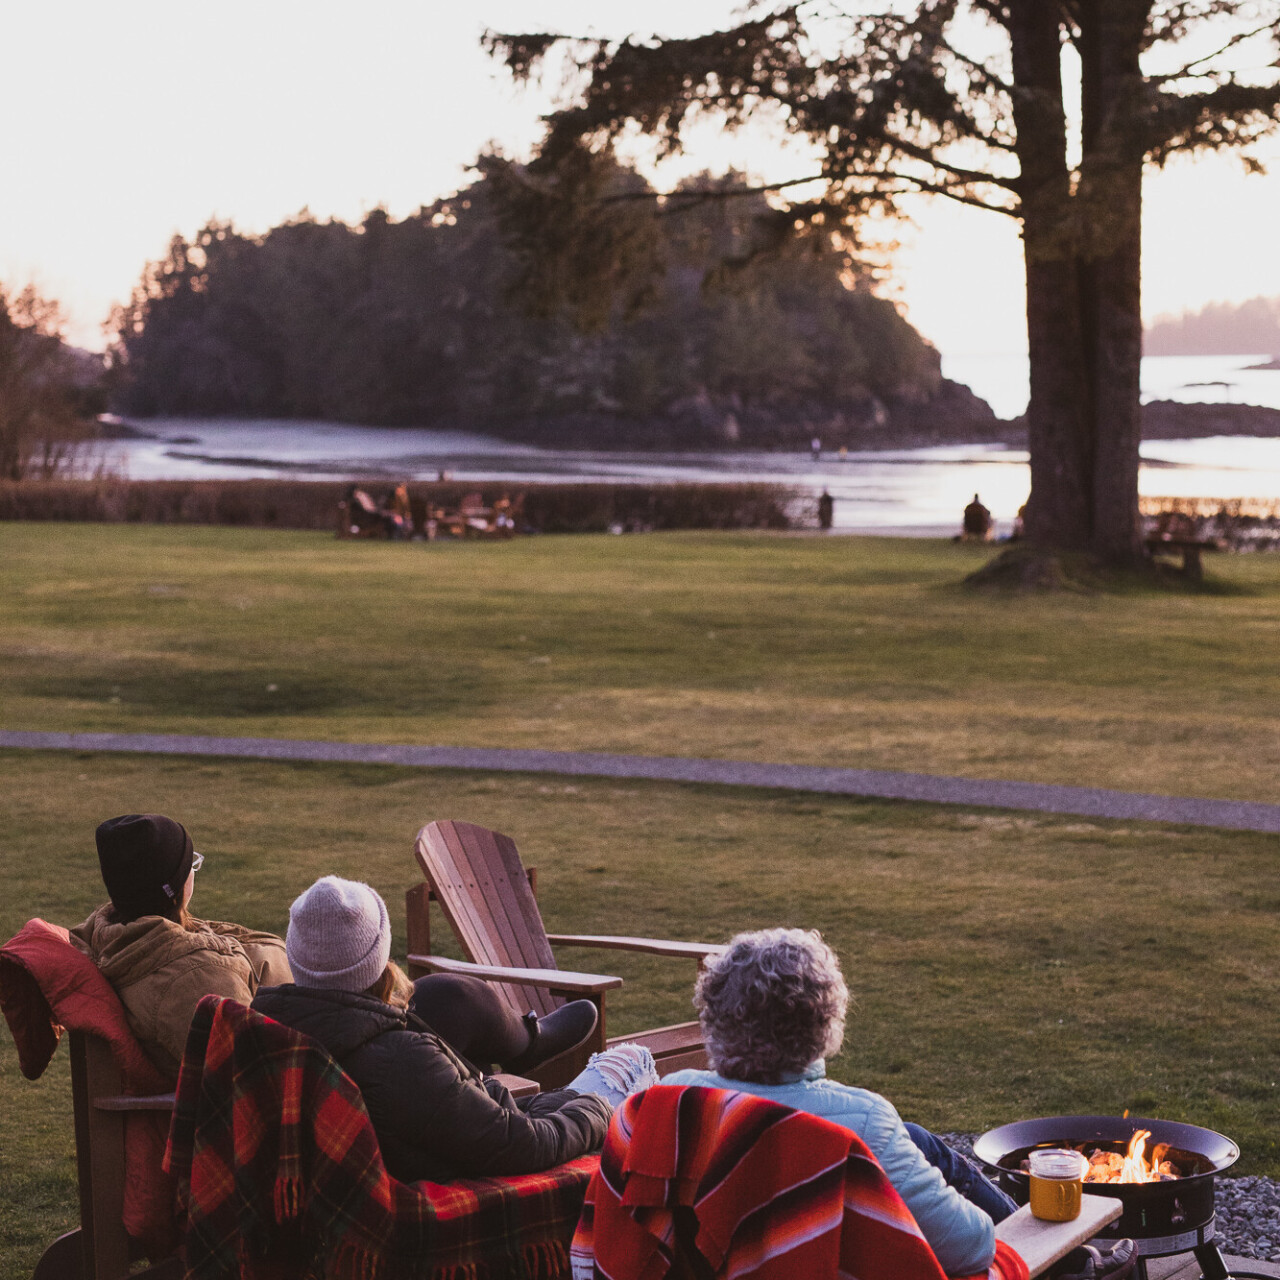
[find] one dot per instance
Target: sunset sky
(129, 121)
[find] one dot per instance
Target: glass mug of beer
(1056, 1178)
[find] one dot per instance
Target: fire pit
(1163, 1172)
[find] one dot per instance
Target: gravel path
(1089, 802)
(1247, 1210)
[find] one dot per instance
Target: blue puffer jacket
(959, 1233)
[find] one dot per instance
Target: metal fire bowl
(1163, 1217)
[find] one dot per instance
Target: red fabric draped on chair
(278, 1166)
(707, 1182)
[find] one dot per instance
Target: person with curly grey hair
(772, 1007)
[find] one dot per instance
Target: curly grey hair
(770, 1004)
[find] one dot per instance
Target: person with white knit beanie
(339, 936)
(410, 1047)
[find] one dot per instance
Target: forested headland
(1219, 329)
(417, 322)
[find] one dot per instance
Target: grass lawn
(842, 651)
(1006, 965)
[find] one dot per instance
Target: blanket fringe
(546, 1260)
(355, 1262)
(288, 1198)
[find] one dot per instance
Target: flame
(1135, 1168)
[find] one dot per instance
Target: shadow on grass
(240, 691)
(1025, 569)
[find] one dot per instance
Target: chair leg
(62, 1260)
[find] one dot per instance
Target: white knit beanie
(339, 936)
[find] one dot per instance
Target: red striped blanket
(279, 1169)
(755, 1188)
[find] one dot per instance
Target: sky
(123, 123)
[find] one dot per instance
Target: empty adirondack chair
(488, 898)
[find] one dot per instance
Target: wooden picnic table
(1188, 547)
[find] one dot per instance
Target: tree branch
(1230, 115)
(693, 194)
(1189, 70)
(941, 189)
(926, 156)
(983, 72)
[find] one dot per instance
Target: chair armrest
(1041, 1244)
(654, 946)
(556, 979)
(517, 1086)
(148, 1102)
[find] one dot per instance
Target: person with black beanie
(159, 958)
(162, 960)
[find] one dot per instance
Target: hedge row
(312, 504)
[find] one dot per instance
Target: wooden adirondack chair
(489, 899)
(99, 1249)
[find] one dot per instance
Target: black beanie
(145, 860)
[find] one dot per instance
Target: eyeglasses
(197, 861)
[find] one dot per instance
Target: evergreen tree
(47, 389)
(424, 321)
(970, 100)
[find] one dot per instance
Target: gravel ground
(1247, 1209)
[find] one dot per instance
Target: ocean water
(916, 491)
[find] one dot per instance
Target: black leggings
(471, 1016)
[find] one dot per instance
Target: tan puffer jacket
(161, 970)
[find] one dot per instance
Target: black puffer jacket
(436, 1116)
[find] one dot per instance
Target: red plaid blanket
(279, 1170)
(778, 1194)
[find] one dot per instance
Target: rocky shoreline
(1171, 420)
(953, 416)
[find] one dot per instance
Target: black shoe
(1114, 1263)
(560, 1031)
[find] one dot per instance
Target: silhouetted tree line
(1219, 329)
(49, 391)
(414, 321)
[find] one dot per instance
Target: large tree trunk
(1110, 200)
(1084, 323)
(1060, 510)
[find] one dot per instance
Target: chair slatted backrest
(481, 885)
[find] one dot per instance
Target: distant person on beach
(826, 511)
(1019, 525)
(402, 509)
(363, 513)
(978, 525)
(815, 446)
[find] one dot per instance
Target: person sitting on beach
(401, 508)
(159, 958)
(977, 524)
(408, 1047)
(772, 1007)
(363, 513)
(826, 510)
